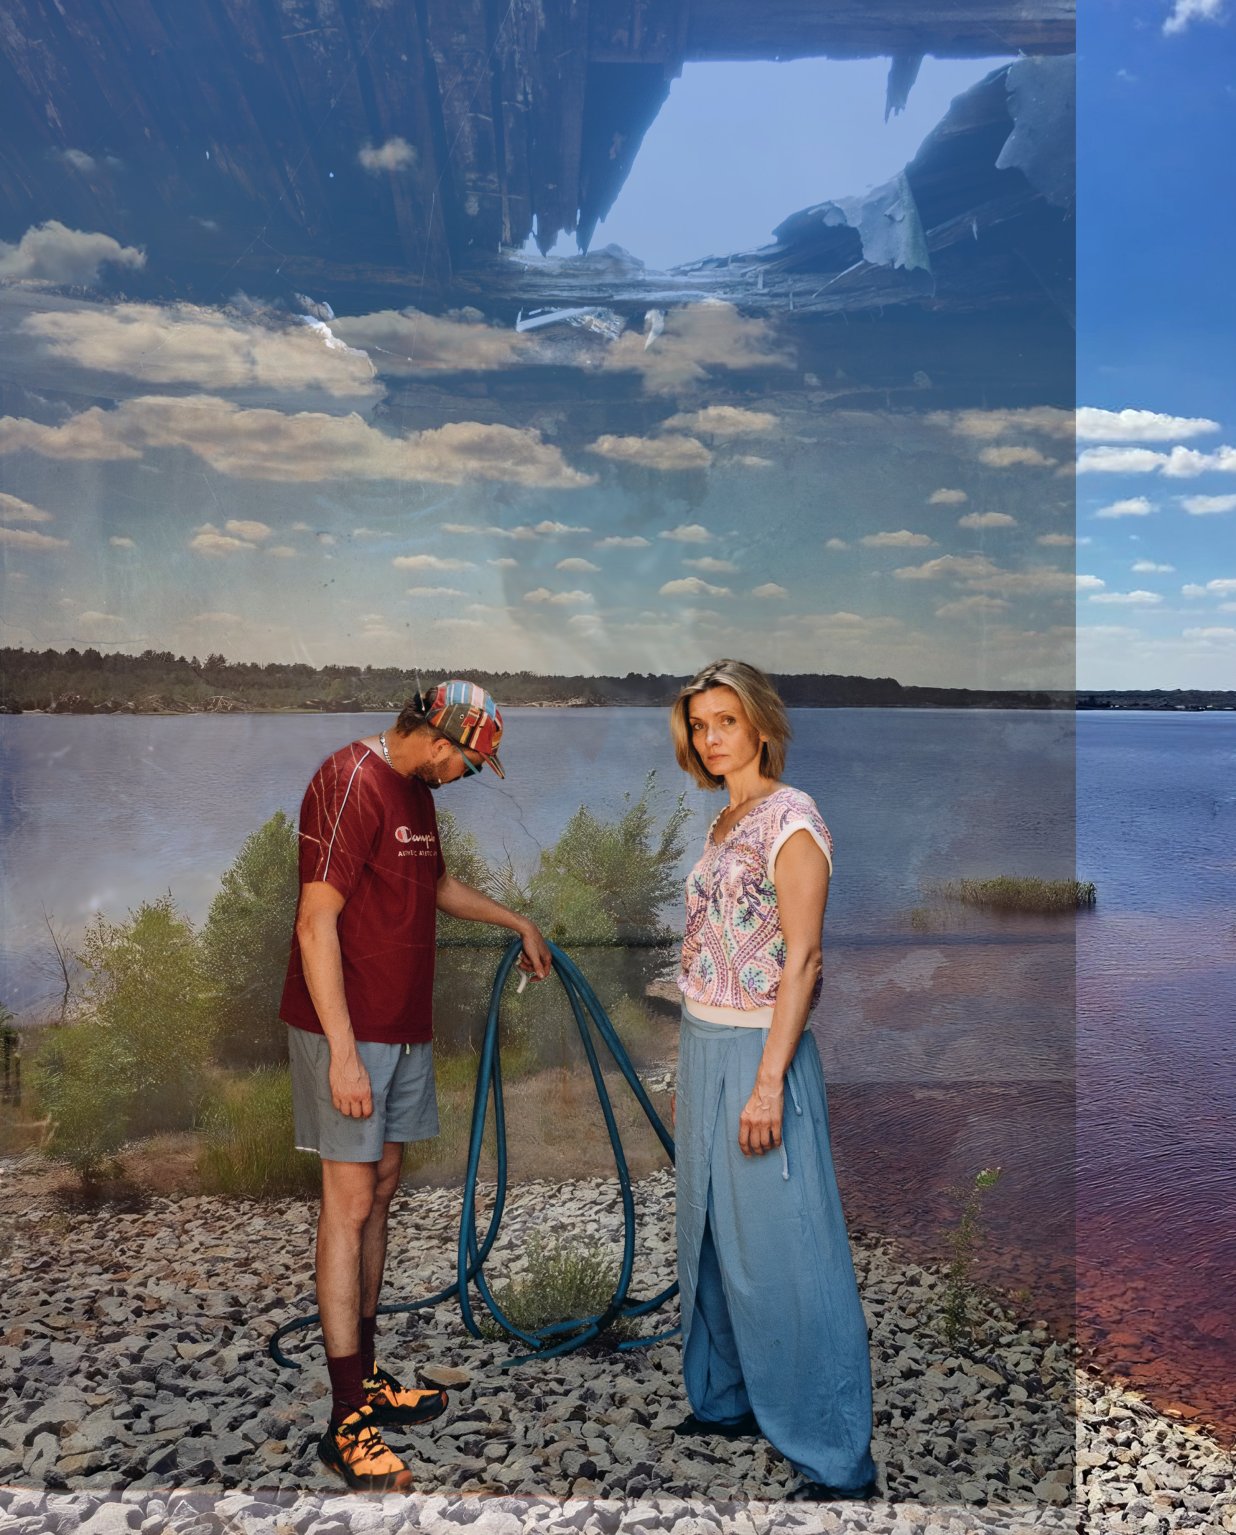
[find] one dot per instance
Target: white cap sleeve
(800, 823)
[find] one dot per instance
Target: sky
(398, 488)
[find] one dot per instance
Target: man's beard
(427, 776)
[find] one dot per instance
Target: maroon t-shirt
(373, 835)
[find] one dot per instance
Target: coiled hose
(558, 1337)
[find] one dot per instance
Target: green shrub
(245, 944)
(82, 1080)
(562, 1281)
(960, 1292)
(146, 988)
(250, 1144)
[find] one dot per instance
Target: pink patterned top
(733, 950)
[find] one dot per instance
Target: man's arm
(459, 900)
(317, 928)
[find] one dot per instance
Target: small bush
(82, 1080)
(245, 944)
(250, 1144)
(960, 1292)
(562, 1282)
(1013, 893)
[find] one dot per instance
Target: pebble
(138, 1364)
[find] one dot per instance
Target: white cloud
(751, 461)
(435, 591)
(1214, 635)
(1132, 506)
(27, 538)
(617, 541)
(328, 540)
(1056, 540)
(987, 425)
(723, 421)
(210, 541)
(712, 566)
(429, 562)
(505, 562)
(303, 447)
(584, 567)
(902, 539)
(396, 154)
(1128, 599)
(14, 509)
(692, 586)
(1222, 586)
(282, 552)
(687, 533)
(408, 342)
(697, 339)
(562, 599)
(946, 497)
(1184, 12)
(835, 543)
(769, 589)
(255, 532)
(100, 620)
(1179, 464)
(1188, 463)
(207, 348)
(969, 607)
(987, 520)
(1090, 583)
(1137, 425)
(122, 543)
(1010, 457)
(53, 253)
(666, 453)
(1207, 506)
(1149, 568)
(962, 567)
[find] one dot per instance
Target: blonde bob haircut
(761, 704)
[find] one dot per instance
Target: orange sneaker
(357, 1451)
(393, 1403)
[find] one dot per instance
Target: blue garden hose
(558, 1337)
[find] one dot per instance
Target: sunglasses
(470, 767)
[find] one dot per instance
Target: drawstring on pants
(798, 1109)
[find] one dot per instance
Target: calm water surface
(1108, 1038)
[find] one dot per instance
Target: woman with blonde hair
(774, 1336)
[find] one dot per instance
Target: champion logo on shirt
(406, 834)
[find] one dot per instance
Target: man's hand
(349, 1086)
(759, 1124)
(535, 959)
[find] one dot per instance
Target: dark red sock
(347, 1386)
(368, 1346)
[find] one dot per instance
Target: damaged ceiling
(388, 148)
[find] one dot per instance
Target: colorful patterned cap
(465, 714)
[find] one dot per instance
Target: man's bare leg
(347, 1203)
(373, 1245)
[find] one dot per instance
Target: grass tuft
(563, 1281)
(250, 1145)
(1018, 893)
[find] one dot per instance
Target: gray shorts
(405, 1100)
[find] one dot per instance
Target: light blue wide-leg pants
(771, 1318)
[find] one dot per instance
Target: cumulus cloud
(769, 589)
(988, 425)
(1137, 599)
(282, 552)
(505, 562)
(969, 607)
(119, 542)
(712, 566)
(1131, 506)
(429, 562)
(1179, 464)
(1056, 540)
(207, 348)
(14, 509)
(407, 342)
(562, 599)
(1009, 457)
(619, 541)
(723, 421)
(1221, 586)
(901, 539)
(1185, 12)
(751, 461)
(1090, 583)
(302, 447)
(434, 591)
(654, 452)
(53, 253)
(987, 520)
(1214, 635)
(582, 566)
(255, 532)
(27, 538)
(687, 533)
(1138, 426)
(958, 566)
(692, 586)
(697, 339)
(1148, 567)
(1207, 506)
(209, 540)
(395, 155)
(835, 543)
(946, 497)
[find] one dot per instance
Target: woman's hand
(759, 1124)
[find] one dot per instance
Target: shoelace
(362, 1436)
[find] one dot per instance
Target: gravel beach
(134, 1361)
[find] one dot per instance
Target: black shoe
(821, 1492)
(740, 1428)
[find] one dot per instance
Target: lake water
(1090, 1058)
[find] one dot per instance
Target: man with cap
(358, 1001)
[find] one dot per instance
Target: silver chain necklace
(385, 753)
